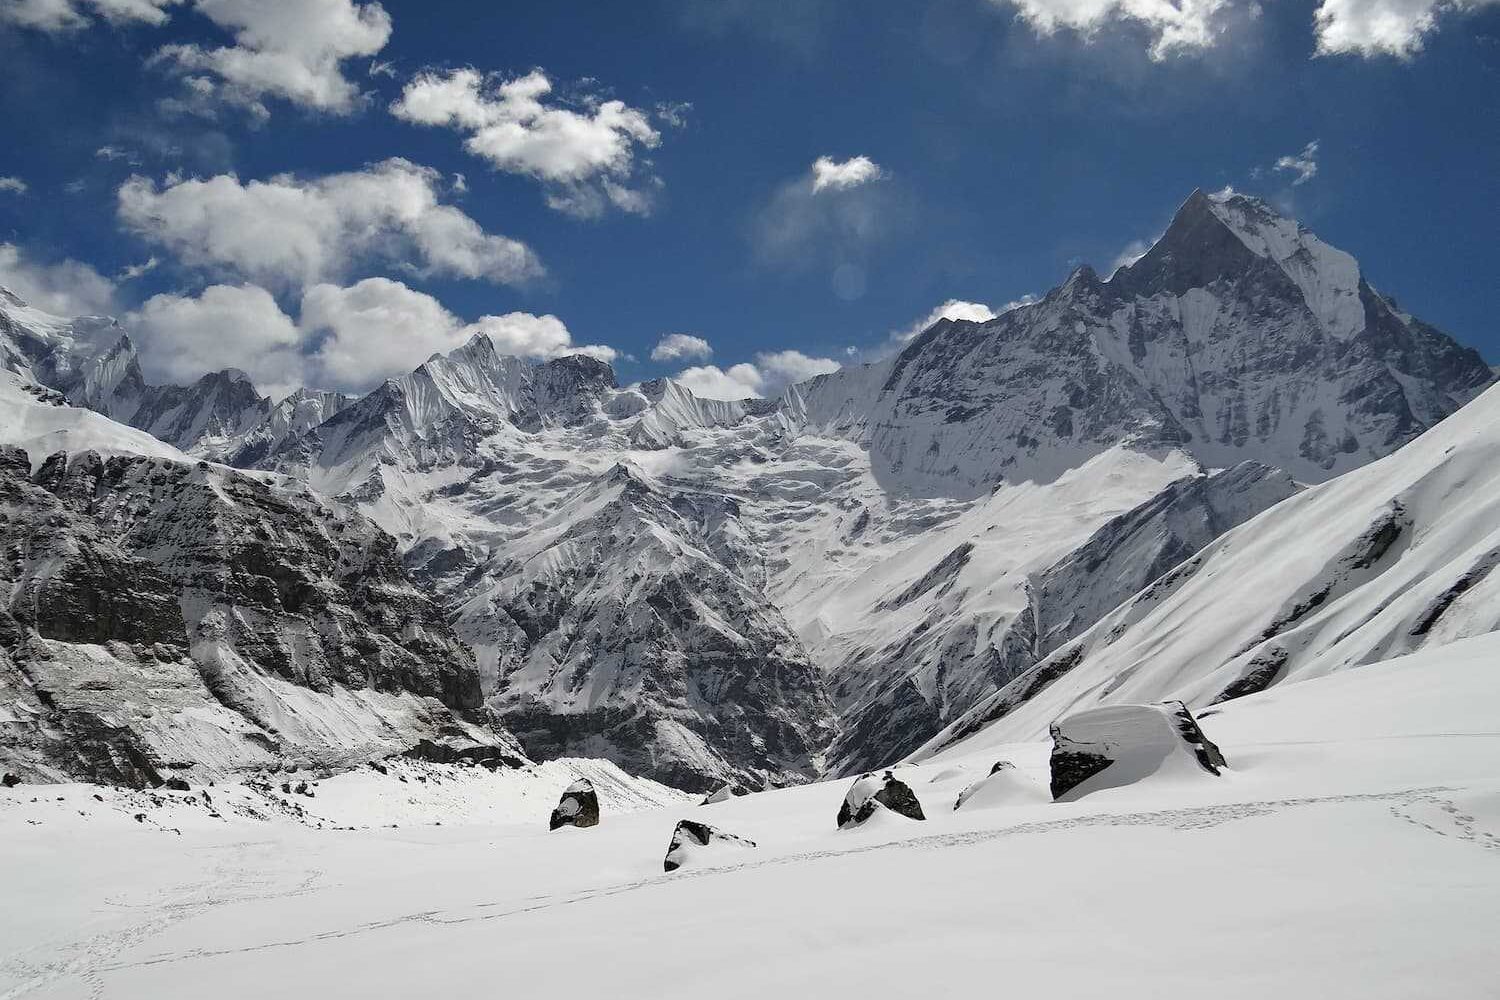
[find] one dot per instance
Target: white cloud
(740, 381)
(12, 185)
(181, 337)
(378, 328)
(780, 368)
(828, 173)
(346, 338)
(1382, 27)
(974, 312)
(289, 49)
(67, 288)
(772, 372)
(681, 347)
(1175, 26)
(1303, 164)
(288, 232)
(55, 16)
(585, 157)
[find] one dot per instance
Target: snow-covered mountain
(159, 612)
(761, 591)
(92, 362)
(1383, 561)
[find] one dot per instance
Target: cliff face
(157, 613)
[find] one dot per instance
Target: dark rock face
(474, 753)
(1130, 741)
(691, 835)
(870, 793)
(135, 588)
(1210, 758)
(10, 780)
(579, 806)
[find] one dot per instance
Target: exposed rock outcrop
(691, 840)
(871, 793)
(579, 806)
(1121, 744)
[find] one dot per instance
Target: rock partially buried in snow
(722, 795)
(579, 806)
(869, 794)
(1004, 785)
(692, 840)
(1121, 744)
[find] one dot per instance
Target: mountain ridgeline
(750, 592)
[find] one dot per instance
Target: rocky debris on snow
(177, 785)
(870, 793)
(1004, 785)
(579, 806)
(486, 755)
(1121, 744)
(692, 839)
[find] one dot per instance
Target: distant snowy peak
(1239, 336)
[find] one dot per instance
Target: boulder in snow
(1121, 744)
(870, 793)
(724, 794)
(10, 780)
(691, 840)
(579, 806)
(1004, 785)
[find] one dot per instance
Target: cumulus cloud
(181, 337)
(1174, 26)
(681, 347)
(56, 16)
(828, 173)
(1303, 164)
(740, 381)
(343, 338)
(771, 372)
(288, 49)
(974, 312)
(585, 156)
(65, 288)
(12, 185)
(378, 328)
(287, 231)
(1382, 27)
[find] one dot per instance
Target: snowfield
(1351, 849)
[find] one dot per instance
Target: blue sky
(646, 169)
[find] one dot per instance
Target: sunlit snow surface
(1352, 849)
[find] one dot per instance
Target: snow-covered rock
(1005, 785)
(1122, 744)
(579, 806)
(692, 842)
(871, 794)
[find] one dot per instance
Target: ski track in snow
(235, 881)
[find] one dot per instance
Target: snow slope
(1350, 850)
(1392, 558)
